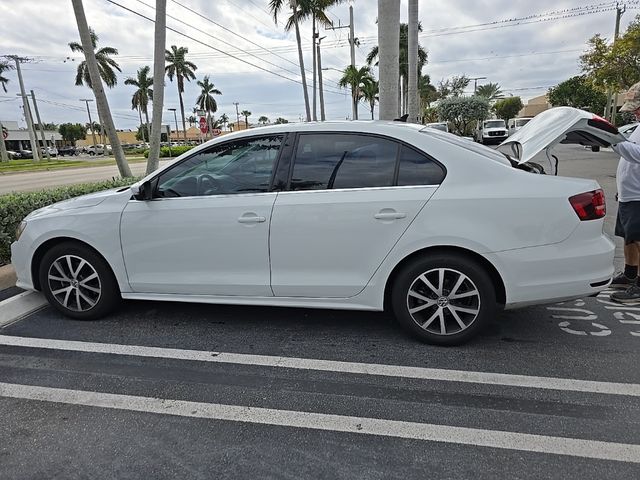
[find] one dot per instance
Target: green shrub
(15, 206)
(173, 152)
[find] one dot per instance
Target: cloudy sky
(524, 46)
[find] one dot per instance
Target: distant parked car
(13, 155)
(53, 151)
(25, 153)
(67, 150)
(627, 130)
(516, 124)
(98, 149)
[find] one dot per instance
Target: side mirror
(143, 191)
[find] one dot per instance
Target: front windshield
(522, 122)
(494, 124)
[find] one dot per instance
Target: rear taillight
(589, 205)
(602, 124)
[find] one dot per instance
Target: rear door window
(330, 161)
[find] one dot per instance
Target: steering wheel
(212, 187)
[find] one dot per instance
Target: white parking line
(574, 447)
(14, 308)
(547, 383)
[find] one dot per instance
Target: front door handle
(389, 215)
(251, 218)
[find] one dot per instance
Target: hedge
(173, 152)
(15, 206)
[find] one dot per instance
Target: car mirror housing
(142, 191)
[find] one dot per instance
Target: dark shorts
(628, 222)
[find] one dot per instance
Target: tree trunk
(412, 88)
(302, 73)
(141, 124)
(373, 105)
(158, 85)
(354, 99)
(313, 48)
(389, 56)
(98, 89)
(184, 125)
(321, 88)
(146, 116)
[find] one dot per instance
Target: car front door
(350, 199)
(206, 231)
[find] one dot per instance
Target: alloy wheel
(74, 283)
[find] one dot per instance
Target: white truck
(491, 131)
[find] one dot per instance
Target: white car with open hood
(352, 215)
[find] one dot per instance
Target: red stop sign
(5, 132)
(203, 125)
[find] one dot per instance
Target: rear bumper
(552, 273)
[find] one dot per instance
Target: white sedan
(349, 215)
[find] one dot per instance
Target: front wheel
(78, 282)
(444, 299)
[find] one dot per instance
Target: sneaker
(630, 295)
(622, 281)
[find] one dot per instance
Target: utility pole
(314, 114)
(237, 115)
(40, 127)
(475, 83)
(27, 111)
(352, 45)
(93, 133)
(321, 91)
(4, 156)
(612, 99)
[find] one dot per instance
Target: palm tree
(356, 78)
(490, 91)
(106, 64)
(388, 37)
(263, 120)
(403, 62)
(159, 45)
(181, 69)
(317, 10)
(205, 100)
(144, 93)
(276, 6)
(246, 114)
(224, 119)
(370, 92)
(4, 66)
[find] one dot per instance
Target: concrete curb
(7, 276)
(19, 306)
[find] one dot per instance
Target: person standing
(628, 220)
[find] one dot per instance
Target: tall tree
(428, 92)
(159, 45)
(106, 64)
(276, 7)
(490, 91)
(181, 69)
(463, 112)
(356, 78)
(246, 114)
(370, 94)
(389, 56)
(224, 118)
(205, 100)
(412, 54)
(263, 120)
(403, 61)
(4, 66)
(616, 65)
(578, 92)
(98, 89)
(508, 108)
(144, 93)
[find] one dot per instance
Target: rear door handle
(251, 218)
(389, 215)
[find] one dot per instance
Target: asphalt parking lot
(168, 390)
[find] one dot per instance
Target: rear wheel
(78, 282)
(444, 299)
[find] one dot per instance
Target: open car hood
(560, 125)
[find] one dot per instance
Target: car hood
(560, 125)
(89, 200)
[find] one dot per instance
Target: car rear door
(350, 199)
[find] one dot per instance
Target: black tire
(56, 275)
(476, 292)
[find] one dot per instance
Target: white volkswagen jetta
(350, 215)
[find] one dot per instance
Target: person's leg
(631, 256)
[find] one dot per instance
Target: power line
(211, 46)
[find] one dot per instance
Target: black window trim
(156, 179)
(400, 144)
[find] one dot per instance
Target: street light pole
(27, 112)
(93, 133)
(41, 128)
(475, 83)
